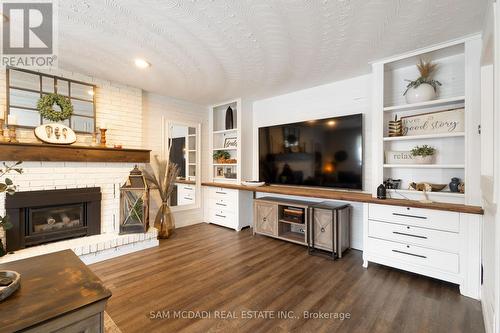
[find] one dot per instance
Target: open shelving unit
(231, 172)
(457, 154)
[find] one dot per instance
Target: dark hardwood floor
(213, 269)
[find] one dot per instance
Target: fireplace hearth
(40, 217)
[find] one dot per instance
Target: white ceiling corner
(206, 51)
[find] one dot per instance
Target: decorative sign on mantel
(449, 121)
(55, 133)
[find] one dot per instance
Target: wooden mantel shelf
(70, 153)
(349, 196)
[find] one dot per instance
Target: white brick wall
(121, 108)
(118, 105)
(61, 175)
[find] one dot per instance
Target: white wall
(340, 98)
(490, 173)
(158, 108)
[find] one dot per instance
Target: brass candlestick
(103, 136)
(12, 134)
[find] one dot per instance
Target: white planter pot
(424, 160)
(423, 93)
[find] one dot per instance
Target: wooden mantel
(70, 153)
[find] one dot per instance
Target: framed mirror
(184, 142)
(24, 89)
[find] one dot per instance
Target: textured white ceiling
(207, 51)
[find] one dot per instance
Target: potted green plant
(425, 87)
(220, 156)
(7, 186)
(423, 154)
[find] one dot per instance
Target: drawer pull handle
(219, 192)
(187, 198)
(264, 219)
(410, 254)
(220, 216)
(405, 234)
(407, 215)
(188, 188)
(220, 204)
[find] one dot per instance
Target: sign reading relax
(450, 121)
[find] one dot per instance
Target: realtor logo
(29, 34)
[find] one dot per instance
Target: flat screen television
(322, 152)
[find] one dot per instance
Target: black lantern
(134, 204)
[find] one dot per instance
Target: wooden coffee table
(58, 293)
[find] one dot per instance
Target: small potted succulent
(423, 154)
(424, 88)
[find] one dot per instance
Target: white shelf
(225, 131)
(425, 166)
(225, 149)
(224, 179)
(439, 193)
(423, 105)
(224, 164)
(427, 136)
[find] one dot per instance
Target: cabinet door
(323, 233)
(266, 218)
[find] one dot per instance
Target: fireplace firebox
(40, 217)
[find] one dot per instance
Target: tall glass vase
(164, 221)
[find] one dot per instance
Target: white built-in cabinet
(227, 207)
(440, 244)
(458, 153)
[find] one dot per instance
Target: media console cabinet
(439, 240)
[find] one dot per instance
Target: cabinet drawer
(434, 239)
(224, 218)
(222, 203)
(415, 255)
(222, 193)
(426, 218)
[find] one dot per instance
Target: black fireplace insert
(40, 217)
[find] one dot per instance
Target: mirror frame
(166, 123)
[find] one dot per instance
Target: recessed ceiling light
(331, 123)
(141, 63)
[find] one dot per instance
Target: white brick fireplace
(121, 108)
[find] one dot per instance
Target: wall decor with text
(230, 143)
(449, 121)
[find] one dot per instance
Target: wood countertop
(51, 285)
(349, 196)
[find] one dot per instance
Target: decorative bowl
(252, 183)
(9, 282)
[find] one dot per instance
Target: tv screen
(323, 152)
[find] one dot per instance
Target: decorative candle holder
(103, 136)
(2, 137)
(94, 139)
(12, 134)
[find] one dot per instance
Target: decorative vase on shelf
(423, 93)
(229, 118)
(429, 159)
(164, 221)
(454, 185)
(2, 249)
